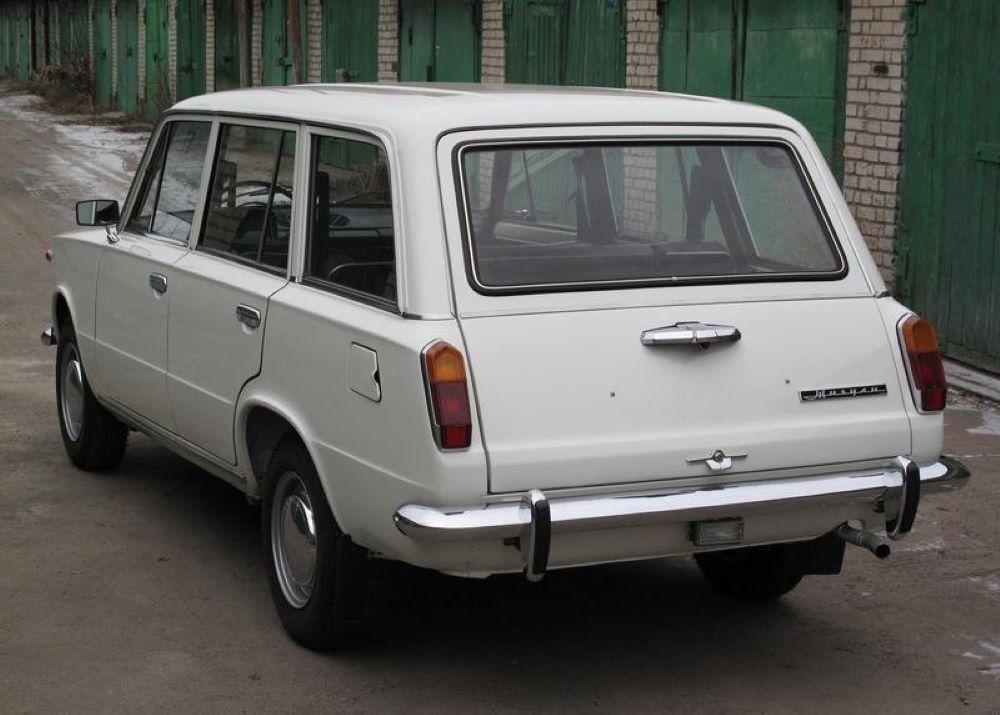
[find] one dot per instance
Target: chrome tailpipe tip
(48, 337)
(865, 539)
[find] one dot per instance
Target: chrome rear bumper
(535, 518)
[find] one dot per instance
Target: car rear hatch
(574, 252)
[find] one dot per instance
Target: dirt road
(145, 588)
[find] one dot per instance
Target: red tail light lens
(925, 367)
(448, 395)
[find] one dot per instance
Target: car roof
(442, 107)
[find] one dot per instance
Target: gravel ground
(144, 589)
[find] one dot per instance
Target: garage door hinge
(912, 24)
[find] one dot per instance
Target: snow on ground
(82, 160)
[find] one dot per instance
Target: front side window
(556, 215)
(167, 200)
(250, 205)
(351, 239)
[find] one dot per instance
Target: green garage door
(577, 42)
(190, 48)
(948, 248)
(350, 41)
(535, 41)
(438, 41)
(227, 44)
(787, 55)
(157, 63)
(127, 91)
(102, 53)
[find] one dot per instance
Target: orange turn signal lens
(925, 366)
(448, 396)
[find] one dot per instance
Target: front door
(135, 277)
(219, 309)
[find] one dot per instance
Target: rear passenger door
(221, 289)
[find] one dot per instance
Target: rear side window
(166, 203)
(579, 215)
(351, 239)
(250, 205)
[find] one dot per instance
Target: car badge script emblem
(835, 393)
(718, 462)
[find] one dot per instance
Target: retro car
(486, 330)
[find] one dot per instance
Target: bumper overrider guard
(535, 519)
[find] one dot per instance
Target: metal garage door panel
(102, 52)
(595, 43)
(157, 63)
(948, 249)
(190, 48)
(127, 91)
(535, 41)
(350, 41)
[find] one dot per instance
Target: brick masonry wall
(172, 47)
(642, 49)
(140, 48)
(388, 40)
(256, 31)
(209, 46)
(114, 53)
(494, 58)
(314, 40)
(876, 95)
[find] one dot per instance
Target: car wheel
(758, 573)
(94, 438)
(316, 573)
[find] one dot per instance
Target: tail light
(923, 364)
(447, 396)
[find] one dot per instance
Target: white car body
(574, 422)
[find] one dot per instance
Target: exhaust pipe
(866, 539)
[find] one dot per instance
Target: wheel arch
(261, 424)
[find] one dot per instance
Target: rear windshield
(549, 216)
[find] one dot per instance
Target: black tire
(758, 573)
(94, 438)
(320, 616)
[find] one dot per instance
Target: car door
(220, 290)
(134, 276)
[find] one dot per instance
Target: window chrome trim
(468, 247)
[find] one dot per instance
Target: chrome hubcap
(293, 539)
(72, 394)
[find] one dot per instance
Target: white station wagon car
(486, 330)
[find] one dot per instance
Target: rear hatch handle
(690, 333)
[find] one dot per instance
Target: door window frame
(310, 134)
(146, 164)
(298, 202)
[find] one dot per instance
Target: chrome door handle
(248, 315)
(690, 333)
(158, 282)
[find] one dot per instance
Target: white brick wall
(255, 39)
(642, 25)
(875, 99)
(314, 39)
(172, 51)
(209, 46)
(114, 52)
(140, 48)
(494, 57)
(388, 40)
